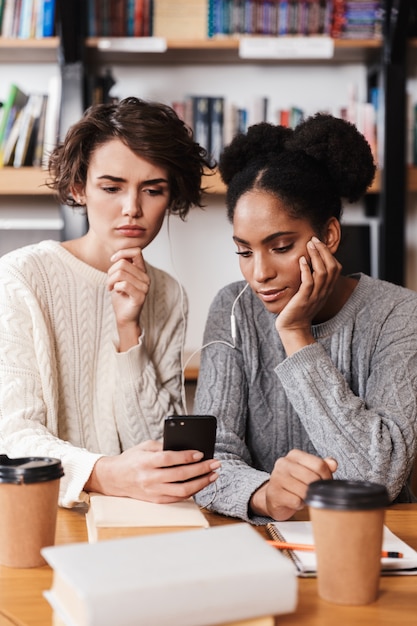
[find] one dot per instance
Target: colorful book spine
(15, 101)
(25, 22)
(48, 18)
(338, 18)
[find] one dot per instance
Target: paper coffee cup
(29, 490)
(347, 519)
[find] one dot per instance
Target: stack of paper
(191, 578)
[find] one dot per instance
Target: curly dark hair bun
(311, 168)
(341, 148)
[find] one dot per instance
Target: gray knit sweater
(352, 395)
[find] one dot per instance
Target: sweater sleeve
(28, 410)
(371, 431)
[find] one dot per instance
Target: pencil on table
(283, 545)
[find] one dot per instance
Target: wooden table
(22, 602)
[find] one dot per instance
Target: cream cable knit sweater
(65, 391)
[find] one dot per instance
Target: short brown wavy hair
(152, 130)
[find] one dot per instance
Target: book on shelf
(216, 127)
(130, 18)
(11, 141)
(206, 116)
(138, 28)
(340, 18)
(119, 18)
(27, 9)
(230, 121)
(258, 109)
(7, 18)
(183, 19)
(28, 131)
(193, 578)
(293, 532)
(40, 135)
(48, 9)
(52, 118)
(15, 101)
(290, 117)
(24, 143)
(2, 3)
(25, 19)
(201, 120)
(110, 517)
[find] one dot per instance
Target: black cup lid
(347, 495)
(30, 469)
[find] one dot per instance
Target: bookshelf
(27, 181)
(29, 50)
(30, 181)
(23, 181)
(221, 51)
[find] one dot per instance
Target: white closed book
(190, 578)
(112, 517)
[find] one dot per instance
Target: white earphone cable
(233, 328)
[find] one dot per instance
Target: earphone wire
(184, 324)
(184, 320)
(232, 314)
(210, 343)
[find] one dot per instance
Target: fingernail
(315, 239)
(215, 465)
(213, 477)
(197, 456)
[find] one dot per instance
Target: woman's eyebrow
(119, 179)
(115, 179)
(266, 239)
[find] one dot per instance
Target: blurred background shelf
(27, 181)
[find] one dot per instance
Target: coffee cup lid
(31, 469)
(347, 495)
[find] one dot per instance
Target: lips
(131, 230)
(270, 295)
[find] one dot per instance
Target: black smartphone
(191, 432)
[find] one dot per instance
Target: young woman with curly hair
(90, 334)
(321, 380)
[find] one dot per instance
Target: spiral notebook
(306, 563)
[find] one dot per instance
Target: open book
(305, 561)
(110, 517)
